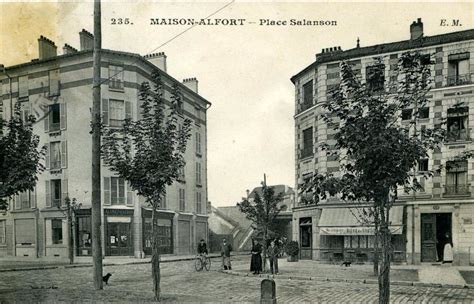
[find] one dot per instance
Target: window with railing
(55, 155)
(307, 95)
(458, 69)
(117, 191)
(457, 124)
(182, 200)
(117, 112)
(56, 193)
(375, 77)
(55, 117)
(116, 77)
(456, 178)
(307, 143)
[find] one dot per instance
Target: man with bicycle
(202, 250)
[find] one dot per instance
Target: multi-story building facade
(57, 90)
(422, 220)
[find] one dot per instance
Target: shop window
(84, 238)
(456, 178)
(457, 123)
(458, 70)
(57, 231)
(375, 77)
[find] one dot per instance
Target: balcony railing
(459, 80)
(458, 135)
(456, 189)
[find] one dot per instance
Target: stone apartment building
(329, 230)
(57, 90)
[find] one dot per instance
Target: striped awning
(350, 221)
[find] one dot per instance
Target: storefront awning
(344, 221)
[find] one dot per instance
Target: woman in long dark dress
(256, 261)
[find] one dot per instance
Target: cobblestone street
(181, 283)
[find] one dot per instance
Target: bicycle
(202, 262)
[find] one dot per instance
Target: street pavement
(181, 283)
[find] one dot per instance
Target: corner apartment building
(57, 89)
(328, 230)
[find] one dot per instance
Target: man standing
(272, 253)
(225, 253)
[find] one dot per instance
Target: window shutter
(62, 119)
(47, 156)
(64, 192)
(46, 120)
(128, 110)
(48, 193)
(63, 154)
(105, 111)
(129, 195)
(17, 202)
(33, 198)
(106, 190)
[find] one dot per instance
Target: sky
(243, 70)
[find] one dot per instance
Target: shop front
(345, 236)
(118, 232)
(164, 231)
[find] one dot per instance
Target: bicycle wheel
(198, 264)
(208, 264)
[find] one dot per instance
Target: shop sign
(361, 230)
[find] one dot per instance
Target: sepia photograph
(233, 151)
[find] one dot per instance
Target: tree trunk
(264, 251)
(155, 257)
(376, 251)
(384, 274)
(71, 236)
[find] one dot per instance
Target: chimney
(67, 49)
(416, 29)
(47, 48)
(87, 40)
(191, 83)
(158, 60)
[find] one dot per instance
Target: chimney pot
(86, 40)
(158, 60)
(416, 30)
(191, 83)
(46, 48)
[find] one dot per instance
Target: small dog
(106, 278)
(347, 264)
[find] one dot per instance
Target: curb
(339, 280)
(66, 266)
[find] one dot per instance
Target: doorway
(436, 231)
(119, 239)
(306, 236)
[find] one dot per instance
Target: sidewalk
(23, 264)
(411, 275)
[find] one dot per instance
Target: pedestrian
(256, 261)
(225, 253)
(272, 253)
(448, 250)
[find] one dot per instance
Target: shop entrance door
(119, 239)
(428, 237)
(435, 233)
(306, 236)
